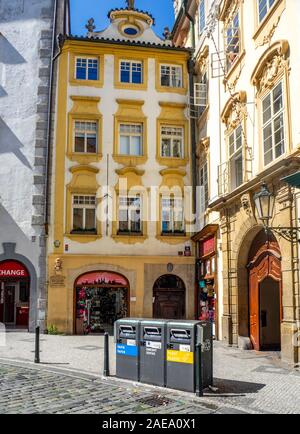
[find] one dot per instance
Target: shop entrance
(101, 299)
(14, 294)
(169, 298)
(265, 294)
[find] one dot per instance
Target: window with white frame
(172, 216)
(201, 93)
(131, 72)
(232, 40)
(87, 68)
(130, 214)
(203, 181)
(263, 8)
(84, 213)
(273, 124)
(86, 137)
(202, 16)
(236, 157)
(172, 142)
(131, 139)
(171, 76)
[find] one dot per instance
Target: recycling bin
(205, 339)
(152, 352)
(181, 355)
(127, 348)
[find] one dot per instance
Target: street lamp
(265, 204)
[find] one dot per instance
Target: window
(131, 72)
(131, 31)
(204, 186)
(172, 142)
(131, 139)
(201, 93)
(233, 43)
(171, 76)
(236, 157)
(130, 214)
(86, 69)
(263, 8)
(85, 137)
(84, 214)
(202, 16)
(172, 216)
(273, 124)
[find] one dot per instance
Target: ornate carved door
(265, 264)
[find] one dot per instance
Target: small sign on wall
(57, 281)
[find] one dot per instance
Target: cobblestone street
(69, 381)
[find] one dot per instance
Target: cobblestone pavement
(69, 381)
(31, 391)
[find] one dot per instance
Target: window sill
(263, 31)
(167, 89)
(84, 158)
(89, 83)
(130, 239)
(130, 160)
(83, 237)
(131, 86)
(172, 162)
(235, 65)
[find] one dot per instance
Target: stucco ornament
(246, 204)
(58, 265)
(271, 71)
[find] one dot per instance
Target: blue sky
(82, 10)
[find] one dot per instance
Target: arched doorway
(169, 298)
(101, 298)
(14, 294)
(265, 293)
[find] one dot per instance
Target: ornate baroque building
(245, 115)
(119, 238)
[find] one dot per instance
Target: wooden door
(169, 304)
(266, 263)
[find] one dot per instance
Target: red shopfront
(207, 276)
(14, 294)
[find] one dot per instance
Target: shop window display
(99, 305)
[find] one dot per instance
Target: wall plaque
(57, 281)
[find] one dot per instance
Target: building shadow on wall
(10, 227)
(2, 92)
(8, 54)
(9, 143)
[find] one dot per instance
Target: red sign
(207, 247)
(12, 269)
(102, 278)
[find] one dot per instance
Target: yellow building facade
(119, 242)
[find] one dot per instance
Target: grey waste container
(152, 352)
(182, 355)
(127, 348)
(205, 338)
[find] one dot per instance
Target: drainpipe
(49, 113)
(191, 70)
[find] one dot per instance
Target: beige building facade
(246, 93)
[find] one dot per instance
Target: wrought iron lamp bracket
(289, 234)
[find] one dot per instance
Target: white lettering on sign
(155, 345)
(185, 348)
(12, 273)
